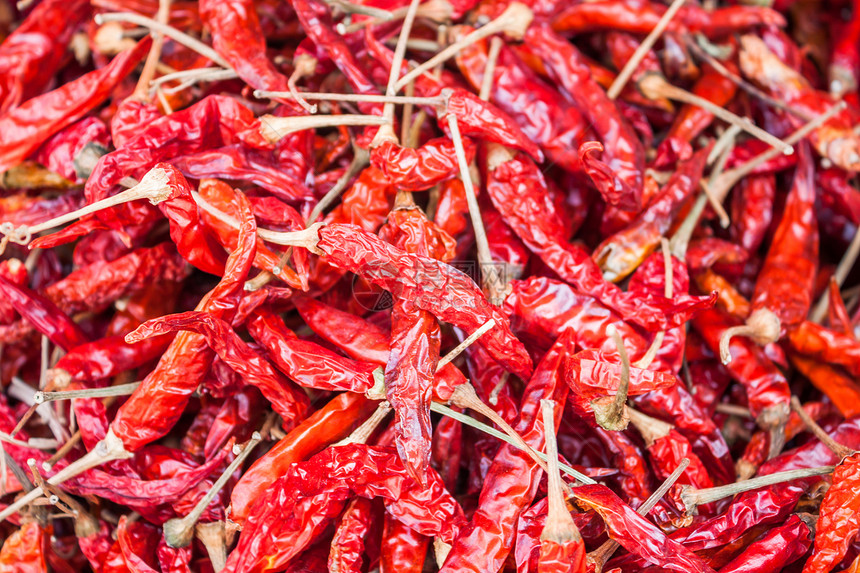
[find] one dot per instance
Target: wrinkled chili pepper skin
(347, 546)
(308, 363)
(825, 345)
(413, 277)
(621, 253)
(24, 550)
(403, 548)
(635, 533)
(330, 423)
(772, 503)
(767, 389)
(314, 491)
(288, 400)
(484, 544)
(421, 168)
(840, 517)
(158, 402)
(43, 315)
(27, 126)
(773, 551)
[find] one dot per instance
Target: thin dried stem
(845, 266)
(109, 449)
(179, 532)
(641, 51)
(716, 205)
(650, 428)
(514, 21)
(559, 526)
(693, 498)
(397, 60)
(275, 128)
(358, 98)
(491, 431)
(189, 42)
(118, 390)
(724, 183)
(733, 410)
(840, 450)
(48, 464)
(653, 86)
(490, 68)
(350, 8)
(154, 187)
(362, 433)
(485, 259)
(468, 341)
(611, 413)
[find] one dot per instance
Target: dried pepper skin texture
(776, 549)
(30, 124)
(24, 550)
(158, 402)
(484, 544)
(313, 492)
(428, 284)
(421, 168)
(840, 517)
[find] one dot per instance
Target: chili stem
(485, 259)
(610, 413)
(48, 464)
(397, 63)
(650, 428)
(721, 185)
(845, 266)
(468, 341)
(118, 390)
(362, 433)
(109, 449)
(641, 51)
(151, 64)
(835, 447)
(487, 429)
(189, 42)
(305, 65)
(214, 539)
(514, 21)
(653, 86)
(350, 8)
(361, 98)
(276, 128)
(733, 410)
(693, 498)
(762, 326)
(179, 532)
(490, 68)
(559, 525)
(154, 187)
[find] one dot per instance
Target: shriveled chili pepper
(288, 400)
(421, 168)
(460, 303)
(403, 549)
(151, 412)
(27, 126)
(330, 423)
(347, 546)
(492, 527)
(825, 345)
(313, 492)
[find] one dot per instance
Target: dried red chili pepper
(152, 411)
(347, 546)
(838, 522)
(412, 276)
(403, 549)
(27, 126)
(421, 168)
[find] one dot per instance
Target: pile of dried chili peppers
(456, 285)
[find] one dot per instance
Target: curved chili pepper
(620, 254)
(347, 546)
(158, 402)
(840, 517)
(61, 152)
(288, 400)
(27, 126)
(842, 389)
(412, 276)
(825, 345)
(777, 549)
(42, 314)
